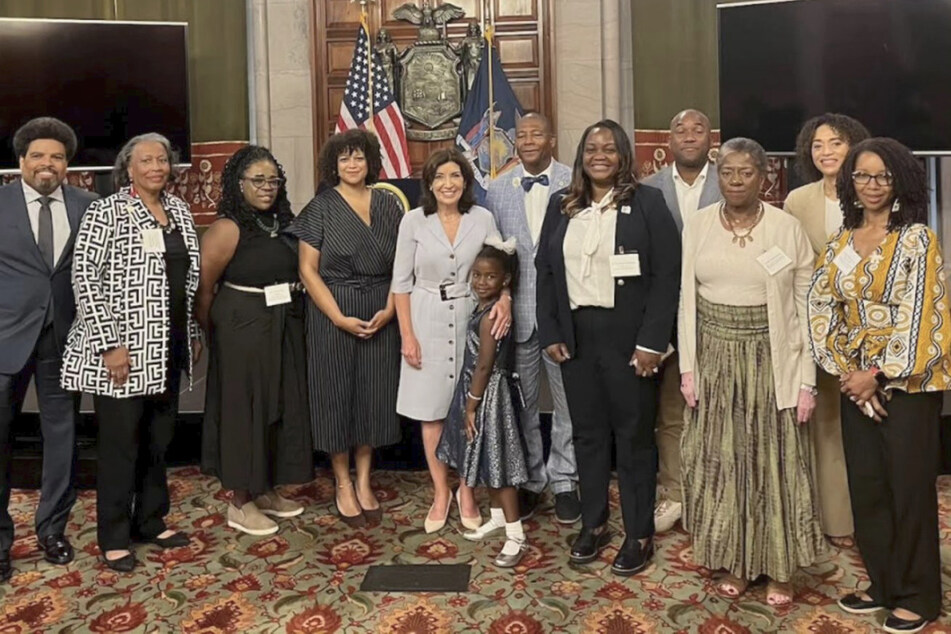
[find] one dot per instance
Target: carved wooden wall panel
(524, 39)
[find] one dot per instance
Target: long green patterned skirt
(749, 498)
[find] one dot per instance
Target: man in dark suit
(39, 217)
(688, 184)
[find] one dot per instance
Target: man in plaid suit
(519, 199)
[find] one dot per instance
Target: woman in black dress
(347, 245)
(250, 302)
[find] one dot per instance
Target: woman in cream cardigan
(749, 384)
(821, 147)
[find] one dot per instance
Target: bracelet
(809, 388)
(473, 397)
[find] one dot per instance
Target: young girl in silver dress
(481, 438)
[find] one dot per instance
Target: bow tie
(529, 181)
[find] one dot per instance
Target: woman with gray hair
(749, 500)
(135, 273)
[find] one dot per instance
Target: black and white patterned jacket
(122, 296)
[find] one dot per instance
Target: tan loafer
(248, 519)
(271, 503)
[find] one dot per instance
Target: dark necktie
(44, 233)
(529, 181)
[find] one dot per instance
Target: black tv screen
(109, 80)
(885, 62)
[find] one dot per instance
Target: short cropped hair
(744, 146)
(44, 128)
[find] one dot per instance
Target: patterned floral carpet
(306, 578)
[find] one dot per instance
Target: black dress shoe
(177, 539)
(588, 545)
(632, 557)
(567, 507)
(896, 625)
(854, 604)
(6, 568)
(56, 549)
(527, 503)
(122, 564)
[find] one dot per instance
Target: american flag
(382, 116)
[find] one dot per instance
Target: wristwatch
(809, 388)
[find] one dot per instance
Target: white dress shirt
(61, 229)
(833, 216)
(588, 247)
(688, 196)
(536, 204)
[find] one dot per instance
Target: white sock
(496, 521)
(514, 538)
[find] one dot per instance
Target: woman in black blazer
(608, 285)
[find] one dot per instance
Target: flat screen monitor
(884, 62)
(108, 80)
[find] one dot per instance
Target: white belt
(295, 286)
(447, 291)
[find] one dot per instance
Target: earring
(857, 204)
(896, 206)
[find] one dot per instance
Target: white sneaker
(666, 514)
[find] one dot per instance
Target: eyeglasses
(882, 180)
(259, 182)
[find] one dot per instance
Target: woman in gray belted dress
(347, 242)
(438, 242)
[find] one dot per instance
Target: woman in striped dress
(749, 498)
(347, 243)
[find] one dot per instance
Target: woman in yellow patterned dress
(879, 318)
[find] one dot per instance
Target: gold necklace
(741, 238)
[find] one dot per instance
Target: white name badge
(277, 294)
(847, 260)
(153, 241)
(626, 209)
(625, 265)
(774, 260)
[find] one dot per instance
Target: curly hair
(234, 206)
(509, 262)
(579, 191)
(348, 142)
(436, 160)
(848, 128)
(44, 128)
(909, 187)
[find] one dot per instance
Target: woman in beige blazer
(821, 147)
(749, 500)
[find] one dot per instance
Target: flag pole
(365, 25)
(489, 35)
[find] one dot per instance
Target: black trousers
(131, 483)
(608, 401)
(892, 469)
(59, 413)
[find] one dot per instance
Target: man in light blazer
(519, 200)
(39, 217)
(688, 184)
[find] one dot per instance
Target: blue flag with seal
(487, 132)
